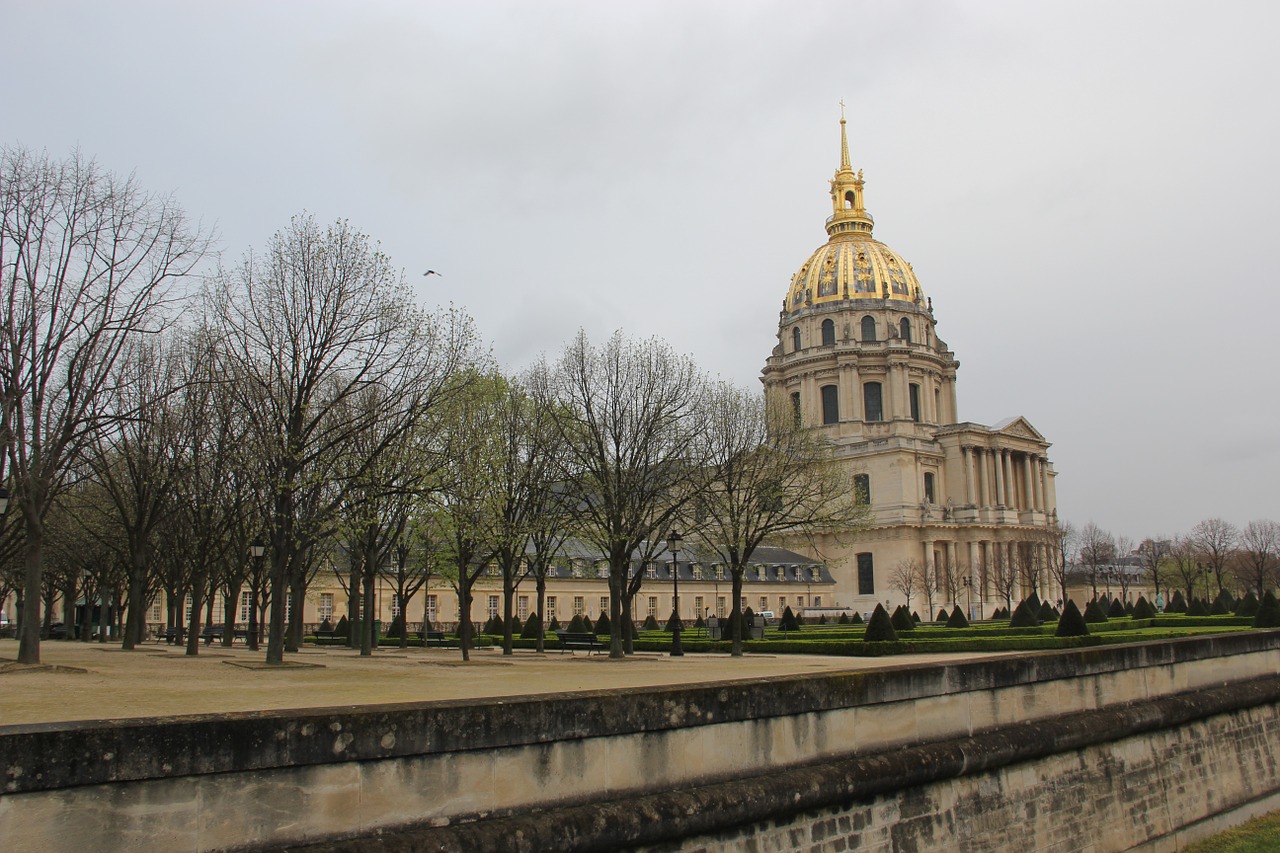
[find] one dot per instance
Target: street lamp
(257, 549)
(673, 545)
(968, 594)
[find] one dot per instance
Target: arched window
(828, 333)
(795, 407)
(849, 199)
(871, 401)
(904, 330)
(928, 487)
(913, 391)
(868, 328)
(866, 575)
(862, 488)
(795, 339)
(830, 405)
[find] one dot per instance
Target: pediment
(1017, 426)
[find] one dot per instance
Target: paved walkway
(82, 681)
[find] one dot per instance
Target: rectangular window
(862, 488)
(817, 601)
(651, 571)
(782, 602)
(493, 606)
(720, 606)
(764, 602)
(604, 604)
(433, 602)
(697, 571)
(154, 614)
(522, 607)
(928, 487)
(719, 571)
(577, 605)
(914, 393)
(866, 575)
(653, 605)
(871, 402)
(830, 404)
(395, 605)
(697, 606)
(551, 608)
(742, 605)
(325, 610)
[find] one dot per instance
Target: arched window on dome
(849, 200)
(904, 330)
(828, 333)
(830, 404)
(869, 329)
(795, 339)
(872, 403)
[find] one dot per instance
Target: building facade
(966, 507)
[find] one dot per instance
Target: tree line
(164, 417)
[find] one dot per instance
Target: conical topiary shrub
(1071, 623)
(1128, 608)
(1178, 604)
(555, 624)
(1223, 604)
(532, 626)
(1268, 615)
(1197, 607)
(575, 624)
(843, 620)
(789, 621)
(672, 622)
(1142, 609)
(856, 618)
(698, 623)
(1047, 613)
(943, 616)
(901, 620)
(343, 628)
(1116, 610)
(957, 619)
(651, 623)
(915, 616)
(1093, 612)
(602, 624)
(517, 627)
(493, 626)
(1248, 606)
(1023, 616)
(880, 627)
(1034, 601)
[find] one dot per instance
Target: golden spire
(844, 142)
(849, 218)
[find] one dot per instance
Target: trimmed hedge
(901, 619)
(880, 628)
(1024, 615)
(1071, 623)
(1094, 612)
(957, 619)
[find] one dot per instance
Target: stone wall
(944, 739)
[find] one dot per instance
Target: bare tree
(87, 261)
(1153, 553)
(1184, 555)
(624, 414)
(321, 318)
(1215, 540)
(1258, 554)
(904, 578)
(764, 475)
(927, 579)
(1124, 548)
(1097, 549)
(1004, 575)
(1064, 551)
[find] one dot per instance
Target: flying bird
(432, 272)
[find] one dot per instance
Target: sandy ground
(79, 681)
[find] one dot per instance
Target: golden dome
(853, 269)
(851, 265)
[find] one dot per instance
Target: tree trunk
(508, 597)
(542, 625)
(735, 612)
(297, 611)
(464, 615)
(29, 624)
(615, 616)
(366, 625)
(197, 608)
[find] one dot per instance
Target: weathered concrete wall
(200, 783)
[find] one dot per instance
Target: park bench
(172, 635)
(325, 633)
(573, 640)
(429, 638)
(217, 632)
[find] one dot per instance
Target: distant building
(858, 357)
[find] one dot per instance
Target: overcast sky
(1087, 190)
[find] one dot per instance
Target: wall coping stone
(50, 756)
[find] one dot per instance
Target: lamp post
(673, 545)
(257, 550)
(968, 594)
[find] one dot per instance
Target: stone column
(984, 482)
(976, 587)
(1042, 480)
(967, 453)
(1026, 475)
(998, 458)
(851, 391)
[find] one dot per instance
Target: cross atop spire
(844, 142)
(849, 218)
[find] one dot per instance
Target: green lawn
(1261, 835)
